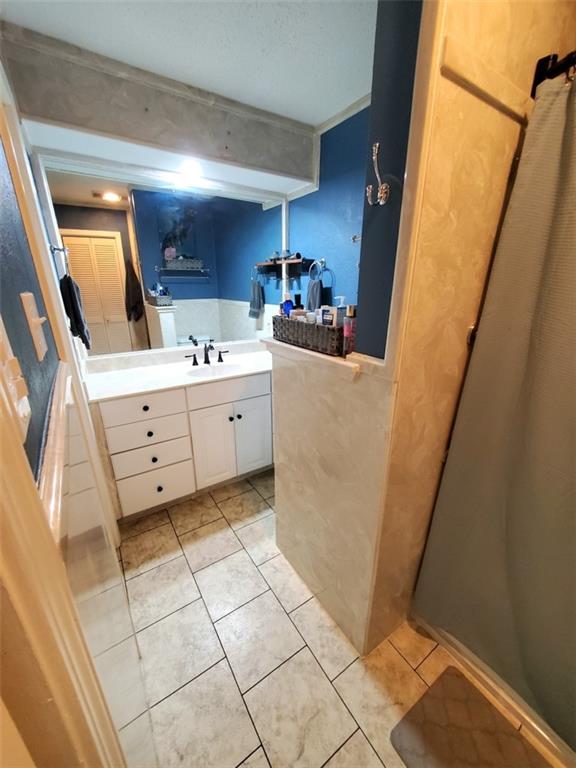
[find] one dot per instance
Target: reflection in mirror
(202, 251)
(169, 263)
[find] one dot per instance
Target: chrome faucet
(207, 349)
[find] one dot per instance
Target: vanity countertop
(132, 381)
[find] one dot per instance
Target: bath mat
(454, 726)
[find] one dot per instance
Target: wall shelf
(184, 275)
(296, 267)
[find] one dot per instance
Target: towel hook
(320, 263)
(383, 186)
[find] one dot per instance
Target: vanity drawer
(227, 391)
(142, 407)
(151, 457)
(129, 436)
(154, 488)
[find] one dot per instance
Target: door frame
(39, 232)
(41, 597)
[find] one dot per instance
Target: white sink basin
(217, 369)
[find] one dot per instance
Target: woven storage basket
(160, 301)
(320, 338)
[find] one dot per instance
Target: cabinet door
(253, 419)
(213, 444)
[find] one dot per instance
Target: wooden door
(96, 262)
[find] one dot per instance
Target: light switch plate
(35, 323)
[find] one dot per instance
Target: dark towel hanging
(73, 306)
(134, 301)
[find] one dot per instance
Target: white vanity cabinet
(164, 445)
(213, 443)
(234, 437)
(253, 433)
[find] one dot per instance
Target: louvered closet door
(111, 279)
(97, 265)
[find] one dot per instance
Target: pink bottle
(350, 329)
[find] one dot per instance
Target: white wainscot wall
(222, 319)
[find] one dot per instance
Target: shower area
(498, 577)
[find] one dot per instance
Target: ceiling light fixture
(190, 173)
(111, 197)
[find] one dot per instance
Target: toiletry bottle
(340, 310)
(350, 329)
(287, 305)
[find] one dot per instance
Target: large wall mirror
(166, 267)
(169, 251)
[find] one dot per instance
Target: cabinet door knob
(154, 459)
(239, 416)
(145, 407)
(160, 489)
(230, 418)
(150, 433)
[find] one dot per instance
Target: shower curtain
(499, 569)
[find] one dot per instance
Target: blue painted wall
(17, 275)
(232, 235)
(245, 234)
(322, 223)
(147, 216)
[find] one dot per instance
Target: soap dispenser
(287, 305)
(340, 310)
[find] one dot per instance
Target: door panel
(97, 265)
(111, 277)
(83, 270)
(253, 433)
(213, 444)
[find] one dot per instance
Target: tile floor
(242, 666)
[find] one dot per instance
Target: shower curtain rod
(549, 67)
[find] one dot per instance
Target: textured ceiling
(69, 188)
(305, 60)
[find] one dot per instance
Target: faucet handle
(222, 352)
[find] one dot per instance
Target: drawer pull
(154, 459)
(230, 418)
(239, 416)
(145, 407)
(150, 433)
(160, 489)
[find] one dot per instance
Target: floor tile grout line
(413, 668)
(114, 645)
(250, 522)
(144, 712)
(261, 744)
(138, 533)
(167, 510)
(276, 668)
(230, 665)
(203, 525)
(273, 590)
(215, 621)
(157, 621)
(204, 567)
(129, 578)
(192, 679)
(339, 748)
(330, 682)
(345, 668)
